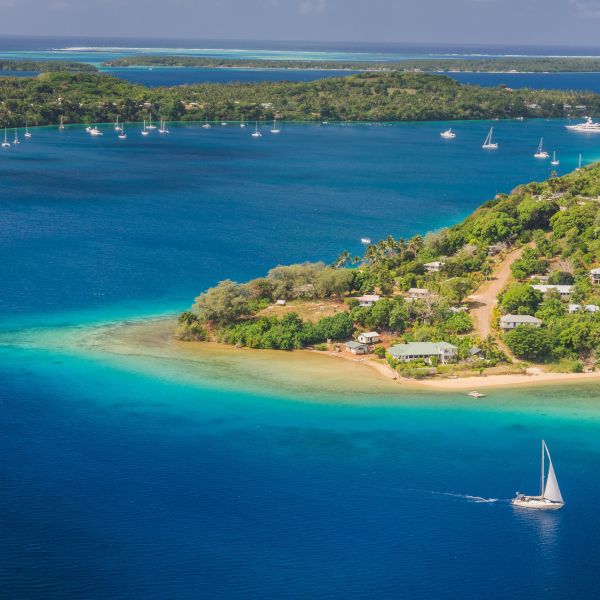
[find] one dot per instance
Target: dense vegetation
(521, 64)
(95, 97)
(46, 66)
(557, 223)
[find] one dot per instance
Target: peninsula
(514, 286)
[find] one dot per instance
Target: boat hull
(536, 503)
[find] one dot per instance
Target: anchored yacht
(488, 144)
(448, 134)
(550, 497)
(540, 152)
(588, 126)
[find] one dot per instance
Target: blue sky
(547, 22)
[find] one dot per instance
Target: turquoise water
(121, 480)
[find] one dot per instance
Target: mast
(542, 476)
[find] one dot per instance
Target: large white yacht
(588, 126)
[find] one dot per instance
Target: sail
(552, 491)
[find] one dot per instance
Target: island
(46, 66)
(370, 97)
(512, 289)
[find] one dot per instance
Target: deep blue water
(118, 482)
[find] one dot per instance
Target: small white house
(513, 321)
(434, 267)
(370, 337)
(280, 302)
(416, 293)
(563, 290)
(368, 300)
(443, 351)
(356, 347)
(595, 276)
(591, 308)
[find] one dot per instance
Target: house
(592, 308)
(368, 299)
(356, 347)
(280, 302)
(433, 267)
(370, 337)
(415, 293)
(512, 321)
(443, 351)
(563, 290)
(595, 276)
(540, 278)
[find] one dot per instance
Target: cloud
(312, 7)
(586, 8)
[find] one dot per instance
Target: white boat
(256, 133)
(476, 395)
(224, 123)
(16, 140)
(61, 127)
(150, 126)
(242, 124)
(554, 162)
(365, 241)
(163, 127)
(5, 143)
(27, 133)
(275, 129)
(540, 152)
(488, 144)
(93, 131)
(145, 129)
(448, 134)
(206, 125)
(122, 135)
(550, 497)
(588, 126)
(117, 125)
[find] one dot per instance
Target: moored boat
(488, 144)
(588, 126)
(540, 152)
(448, 134)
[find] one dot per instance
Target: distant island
(372, 97)
(46, 66)
(515, 283)
(465, 65)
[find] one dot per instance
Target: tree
(561, 278)
(529, 342)
(521, 298)
(333, 282)
(457, 288)
(223, 304)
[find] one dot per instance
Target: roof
(370, 334)
(353, 344)
(434, 264)
(418, 291)
(595, 271)
(369, 298)
(563, 289)
(519, 319)
(474, 350)
(420, 348)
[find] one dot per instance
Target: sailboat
(5, 143)
(61, 127)
(206, 125)
(117, 126)
(275, 128)
(150, 126)
(540, 152)
(145, 129)
(16, 140)
(448, 134)
(550, 497)
(122, 135)
(93, 131)
(488, 144)
(554, 162)
(242, 124)
(27, 133)
(256, 133)
(163, 127)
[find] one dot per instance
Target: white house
(443, 351)
(368, 299)
(433, 267)
(370, 337)
(512, 321)
(415, 293)
(563, 290)
(592, 308)
(356, 347)
(595, 276)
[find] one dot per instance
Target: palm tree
(342, 259)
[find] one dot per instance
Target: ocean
(129, 476)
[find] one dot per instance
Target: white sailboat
(5, 143)
(275, 129)
(117, 125)
(27, 133)
(150, 126)
(488, 144)
(145, 129)
(16, 140)
(122, 135)
(163, 127)
(554, 162)
(94, 131)
(256, 133)
(540, 152)
(242, 124)
(206, 125)
(61, 127)
(448, 134)
(550, 497)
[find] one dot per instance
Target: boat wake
(467, 497)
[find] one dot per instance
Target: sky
(505, 22)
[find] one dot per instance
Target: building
(563, 290)
(356, 347)
(370, 337)
(443, 351)
(415, 293)
(368, 299)
(496, 249)
(540, 278)
(592, 308)
(512, 321)
(595, 276)
(433, 267)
